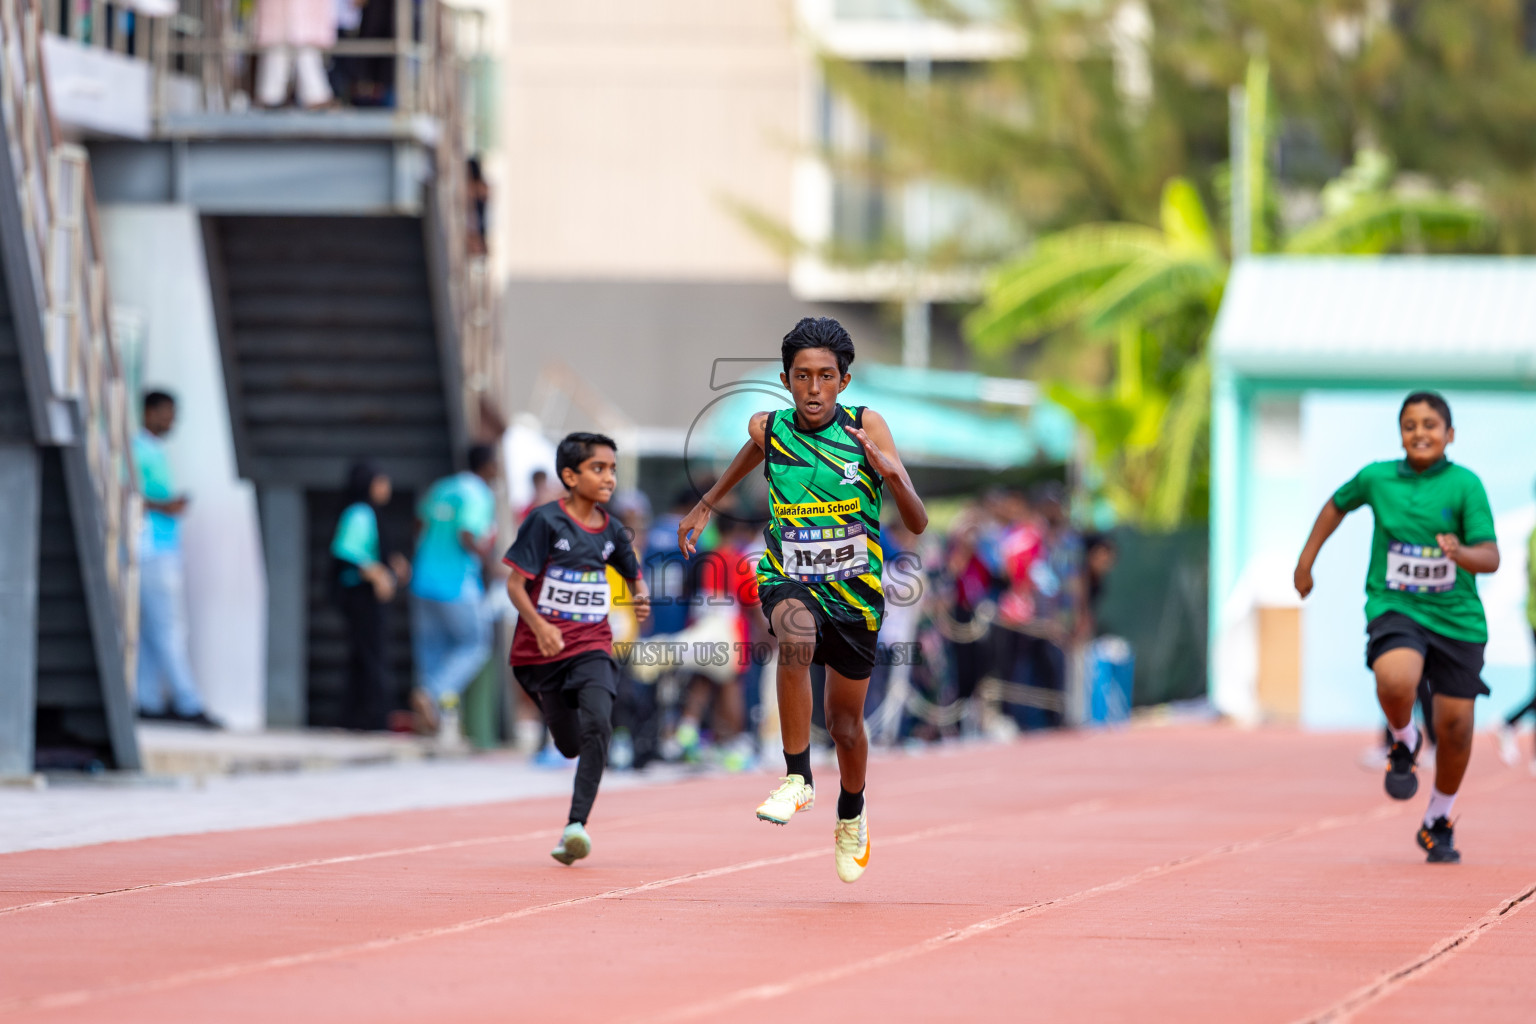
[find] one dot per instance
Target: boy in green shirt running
(1434, 533)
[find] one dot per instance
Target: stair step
(279, 408)
(357, 441)
(371, 345)
(330, 377)
(344, 310)
(310, 277)
(71, 691)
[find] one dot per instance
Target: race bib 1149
(1419, 569)
(816, 555)
(571, 594)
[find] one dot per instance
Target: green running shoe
(574, 844)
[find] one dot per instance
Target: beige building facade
(632, 137)
(630, 129)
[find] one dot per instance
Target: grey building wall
(647, 346)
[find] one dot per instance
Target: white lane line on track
(318, 862)
(947, 939)
(78, 997)
(404, 851)
(971, 931)
(1448, 947)
(1452, 945)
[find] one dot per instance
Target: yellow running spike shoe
(794, 794)
(850, 846)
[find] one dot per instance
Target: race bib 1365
(574, 595)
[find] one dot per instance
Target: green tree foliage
(1102, 105)
(1109, 136)
(1149, 297)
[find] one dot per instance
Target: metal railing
(125, 28)
(469, 290)
(210, 41)
(434, 54)
(66, 257)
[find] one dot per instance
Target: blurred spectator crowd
(988, 631)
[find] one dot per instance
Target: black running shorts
(845, 648)
(567, 676)
(1451, 667)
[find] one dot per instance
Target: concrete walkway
(76, 813)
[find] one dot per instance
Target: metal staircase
(355, 328)
(69, 504)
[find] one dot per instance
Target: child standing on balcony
(291, 34)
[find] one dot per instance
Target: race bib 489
(1419, 569)
(578, 596)
(815, 555)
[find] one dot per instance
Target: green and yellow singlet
(825, 500)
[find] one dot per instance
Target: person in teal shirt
(1433, 534)
(365, 585)
(166, 691)
(450, 634)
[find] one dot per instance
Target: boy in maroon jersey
(562, 649)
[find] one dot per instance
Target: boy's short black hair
(480, 456)
(1433, 399)
(577, 448)
(155, 399)
(819, 332)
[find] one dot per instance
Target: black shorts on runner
(1451, 667)
(567, 676)
(843, 647)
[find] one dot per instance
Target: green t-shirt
(1530, 580)
(1409, 573)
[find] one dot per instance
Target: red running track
(1177, 874)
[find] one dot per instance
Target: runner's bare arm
(1476, 558)
(746, 460)
(1328, 520)
(881, 449)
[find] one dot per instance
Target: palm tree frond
(1376, 224)
(1048, 287)
(1186, 225)
(1154, 286)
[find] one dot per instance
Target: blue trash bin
(1111, 671)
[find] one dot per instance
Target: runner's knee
(846, 727)
(1453, 722)
(1398, 670)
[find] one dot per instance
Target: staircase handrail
(86, 387)
(470, 290)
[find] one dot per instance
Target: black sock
(849, 805)
(799, 764)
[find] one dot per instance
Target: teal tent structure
(940, 418)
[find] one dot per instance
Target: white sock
(1408, 734)
(1440, 806)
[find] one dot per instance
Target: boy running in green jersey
(819, 579)
(1434, 532)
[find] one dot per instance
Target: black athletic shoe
(201, 720)
(1402, 783)
(1439, 841)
